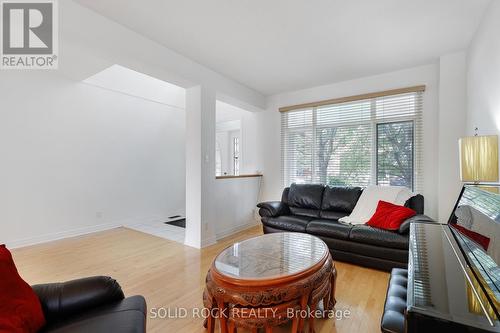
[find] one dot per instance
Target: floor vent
(177, 221)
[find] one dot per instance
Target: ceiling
(274, 46)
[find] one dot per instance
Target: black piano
(453, 279)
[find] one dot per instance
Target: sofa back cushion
(306, 196)
(284, 196)
(332, 215)
(305, 212)
(416, 203)
(340, 199)
(331, 202)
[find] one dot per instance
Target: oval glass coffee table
(268, 280)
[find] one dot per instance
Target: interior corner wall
(483, 76)
(200, 166)
(269, 124)
(77, 158)
(452, 124)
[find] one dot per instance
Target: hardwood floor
(171, 275)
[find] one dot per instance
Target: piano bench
(393, 318)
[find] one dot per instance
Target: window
(395, 154)
(355, 143)
(236, 155)
(218, 159)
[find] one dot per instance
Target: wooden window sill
(239, 176)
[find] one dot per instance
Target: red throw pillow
(483, 241)
(389, 216)
(20, 308)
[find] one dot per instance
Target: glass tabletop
(271, 256)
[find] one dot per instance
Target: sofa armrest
(273, 208)
(416, 203)
(404, 228)
(60, 300)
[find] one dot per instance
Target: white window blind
(357, 143)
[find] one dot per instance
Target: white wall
(452, 116)
(483, 76)
(235, 204)
(269, 124)
(77, 158)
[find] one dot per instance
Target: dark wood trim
(353, 98)
(239, 176)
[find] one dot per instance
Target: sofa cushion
(304, 212)
(365, 250)
(329, 228)
(288, 222)
(284, 195)
(306, 196)
(341, 199)
(369, 235)
(332, 215)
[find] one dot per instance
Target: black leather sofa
(315, 209)
(94, 304)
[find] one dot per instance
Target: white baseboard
(236, 229)
(78, 232)
(60, 235)
(228, 232)
(208, 241)
(107, 226)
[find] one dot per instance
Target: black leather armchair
(94, 304)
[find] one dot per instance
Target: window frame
(413, 155)
(374, 121)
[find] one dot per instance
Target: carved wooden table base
(265, 304)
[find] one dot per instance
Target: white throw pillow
(368, 201)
